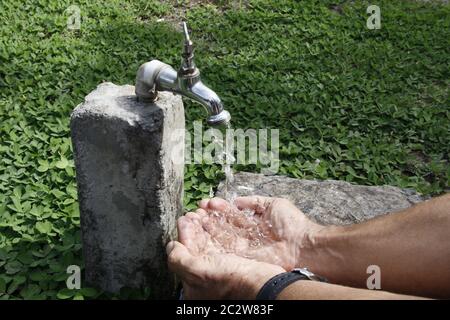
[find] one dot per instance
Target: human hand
(208, 273)
(287, 232)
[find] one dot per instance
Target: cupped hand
(206, 271)
(285, 233)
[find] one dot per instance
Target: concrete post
(129, 163)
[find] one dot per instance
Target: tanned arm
(411, 248)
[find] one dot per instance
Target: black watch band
(276, 284)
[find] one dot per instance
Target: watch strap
(278, 283)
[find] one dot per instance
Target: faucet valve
(157, 76)
(188, 65)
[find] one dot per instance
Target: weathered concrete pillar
(129, 186)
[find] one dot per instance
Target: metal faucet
(157, 76)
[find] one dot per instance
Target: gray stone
(326, 202)
(129, 186)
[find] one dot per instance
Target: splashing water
(236, 231)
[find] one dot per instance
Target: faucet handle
(187, 64)
(186, 32)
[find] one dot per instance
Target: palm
(268, 232)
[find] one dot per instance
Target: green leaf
(68, 201)
(17, 192)
(78, 297)
(57, 193)
(3, 254)
(14, 285)
(62, 164)
(2, 286)
(38, 276)
(13, 267)
(37, 211)
(30, 292)
(72, 191)
(17, 205)
(56, 266)
(44, 227)
(44, 166)
(88, 292)
(66, 293)
(25, 257)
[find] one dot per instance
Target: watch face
(303, 271)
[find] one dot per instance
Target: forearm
(412, 249)
(306, 289)
(312, 290)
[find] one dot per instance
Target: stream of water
(226, 158)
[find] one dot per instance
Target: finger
(185, 230)
(178, 258)
(258, 204)
(203, 204)
(193, 216)
(211, 226)
(169, 247)
(201, 212)
(215, 204)
(192, 234)
(218, 204)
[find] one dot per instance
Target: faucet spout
(202, 94)
(157, 76)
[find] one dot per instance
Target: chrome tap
(157, 76)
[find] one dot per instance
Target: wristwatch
(272, 288)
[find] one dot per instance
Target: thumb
(258, 204)
(178, 258)
(215, 204)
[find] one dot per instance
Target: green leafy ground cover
(371, 105)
